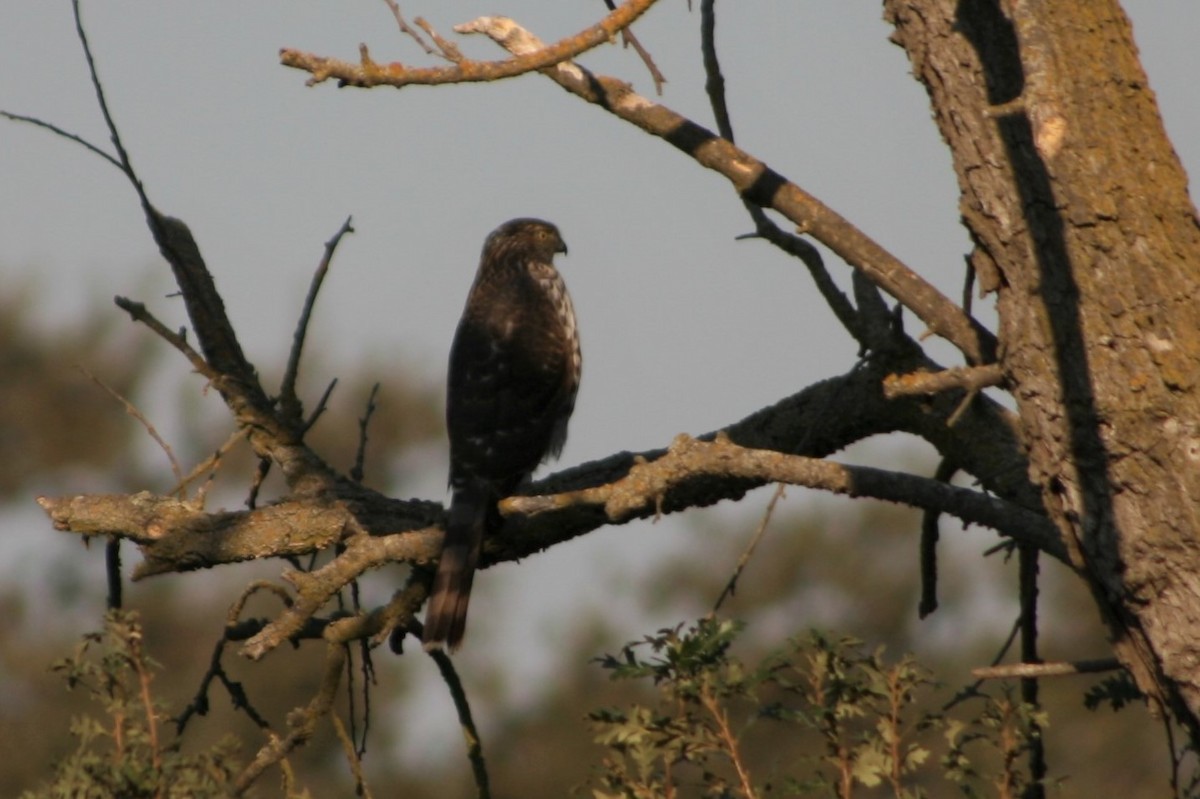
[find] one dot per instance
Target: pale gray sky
(684, 329)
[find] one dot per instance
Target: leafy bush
(861, 721)
(122, 753)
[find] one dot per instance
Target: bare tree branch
(289, 402)
(690, 460)
(465, 721)
(368, 73)
(360, 455)
(731, 585)
(65, 134)
(1023, 670)
(175, 535)
(761, 185)
(764, 228)
(136, 413)
(302, 722)
(449, 50)
(930, 534)
(753, 179)
(407, 29)
(630, 40)
(313, 589)
(972, 378)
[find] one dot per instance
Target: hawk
(514, 372)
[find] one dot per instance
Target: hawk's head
(529, 238)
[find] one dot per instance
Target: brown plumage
(514, 371)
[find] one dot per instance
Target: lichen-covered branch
(688, 460)
(177, 535)
(969, 377)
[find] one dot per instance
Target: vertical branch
(353, 757)
(465, 720)
(764, 228)
(929, 542)
(289, 402)
(1027, 564)
(124, 163)
(204, 305)
(714, 83)
(356, 472)
(112, 572)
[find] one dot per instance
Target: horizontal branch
(176, 535)
(1012, 671)
(642, 490)
(971, 378)
(367, 73)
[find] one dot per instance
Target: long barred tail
(446, 616)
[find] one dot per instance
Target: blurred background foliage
(835, 565)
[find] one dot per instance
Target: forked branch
(367, 73)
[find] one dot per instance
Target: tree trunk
(1082, 224)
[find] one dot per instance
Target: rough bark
(1079, 210)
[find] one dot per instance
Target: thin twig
(137, 311)
(972, 690)
(122, 159)
(714, 85)
(968, 294)
(731, 587)
(237, 693)
(322, 404)
(1027, 567)
(449, 49)
(65, 134)
(133, 411)
(209, 465)
(368, 680)
(289, 402)
(1175, 755)
(356, 472)
(302, 722)
(630, 40)
(406, 29)
(962, 408)
(235, 610)
(764, 228)
(465, 721)
(725, 734)
(138, 660)
(352, 757)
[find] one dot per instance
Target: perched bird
(514, 371)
